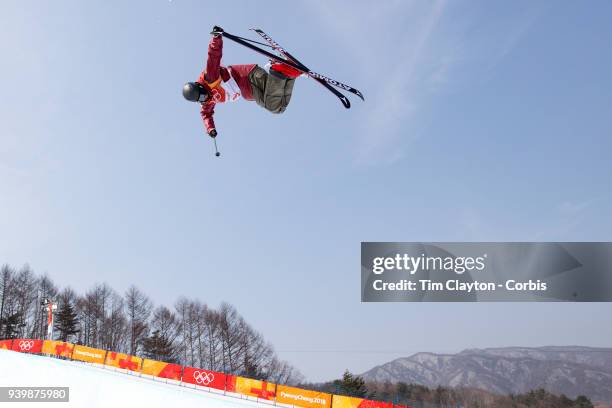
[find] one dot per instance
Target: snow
(99, 386)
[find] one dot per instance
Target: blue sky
(482, 121)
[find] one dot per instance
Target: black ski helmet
(194, 92)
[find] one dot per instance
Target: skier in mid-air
(219, 84)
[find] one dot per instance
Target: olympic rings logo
(26, 345)
(217, 96)
(203, 377)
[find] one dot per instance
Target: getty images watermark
(469, 272)
(34, 394)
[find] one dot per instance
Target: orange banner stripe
(302, 398)
(89, 354)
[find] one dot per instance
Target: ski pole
(216, 150)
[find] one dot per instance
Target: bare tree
(191, 342)
(193, 334)
(6, 278)
(199, 312)
(87, 307)
(85, 314)
(30, 292)
(281, 372)
(138, 307)
(255, 353)
(181, 307)
(115, 325)
(212, 332)
(229, 324)
(7, 313)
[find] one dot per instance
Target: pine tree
(583, 402)
(158, 347)
(251, 370)
(11, 325)
(66, 322)
(351, 385)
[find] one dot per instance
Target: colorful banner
(89, 354)
(27, 345)
(250, 387)
(341, 401)
(161, 369)
(5, 344)
(124, 361)
(204, 378)
(57, 348)
(375, 404)
(302, 398)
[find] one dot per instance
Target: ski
(345, 101)
(310, 73)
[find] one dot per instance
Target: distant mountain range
(570, 370)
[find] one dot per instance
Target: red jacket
(213, 70)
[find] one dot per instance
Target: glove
(212, 133)
(216, 31)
